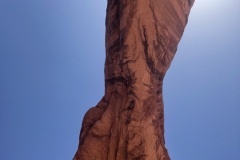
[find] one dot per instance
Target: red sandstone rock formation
(141, 41)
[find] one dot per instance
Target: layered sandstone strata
(141, 41)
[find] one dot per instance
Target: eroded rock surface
(141, 41)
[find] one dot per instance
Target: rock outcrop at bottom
(141, 41)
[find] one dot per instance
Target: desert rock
(141, 41)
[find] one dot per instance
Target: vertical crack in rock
(141, 41)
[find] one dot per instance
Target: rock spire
(141, 41)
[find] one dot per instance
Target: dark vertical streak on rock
(149, 60)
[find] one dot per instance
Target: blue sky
(51, 71)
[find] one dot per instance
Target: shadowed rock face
(141, 41)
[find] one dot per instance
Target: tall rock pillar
(141, 41)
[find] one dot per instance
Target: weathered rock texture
(141, 41)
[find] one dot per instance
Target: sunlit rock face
(141, 41)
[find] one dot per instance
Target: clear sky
(51, 71)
